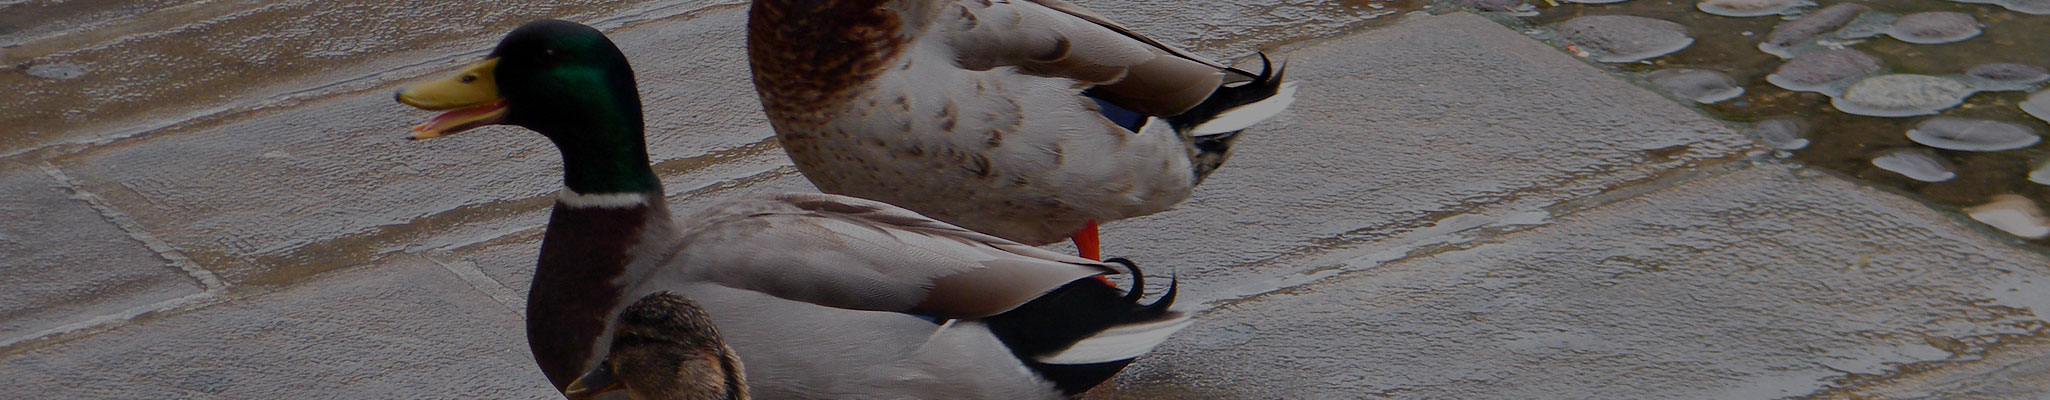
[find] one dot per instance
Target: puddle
(1840, 84)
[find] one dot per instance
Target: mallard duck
(1031, 120)
(821, 296)
(666, 348)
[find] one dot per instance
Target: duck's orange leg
(1086, 242)
(1091, 248)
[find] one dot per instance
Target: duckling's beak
(470, 97)
(597, 382)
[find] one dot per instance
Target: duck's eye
(467, 78)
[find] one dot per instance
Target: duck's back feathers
(1052, 38)
(1093, 17)
(846, 252)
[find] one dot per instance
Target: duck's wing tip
(845, 252)
(1098, 19)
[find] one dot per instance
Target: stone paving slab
(66, 264)
(407, 329)
(1759, 283)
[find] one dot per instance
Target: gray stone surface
(1752, 284)
(164, 64)
(2020, 371)
(64, 263)
(1369, 153)
(404, 330)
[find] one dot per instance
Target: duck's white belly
(1022, 157)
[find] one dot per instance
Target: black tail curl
(1065, 316)
(1265, 85)
(1213, 150)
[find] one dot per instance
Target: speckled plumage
(973, 111)
(667, 348)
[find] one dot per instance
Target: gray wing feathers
(1040, 41)
(849, 253)
(1051, 38)
(1092, 17)
(1167, 86)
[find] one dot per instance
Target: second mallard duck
(1027, 119)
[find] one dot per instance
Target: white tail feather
(1245, 116)
(1119, 343)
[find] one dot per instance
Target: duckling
(821, 296)
(1031, 120)
(666, 349)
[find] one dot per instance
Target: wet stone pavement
(1452, 210)
(1852, 86)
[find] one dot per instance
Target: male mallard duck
(822, 296)
(666, 349)
(1030, 120)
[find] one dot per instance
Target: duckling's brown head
(666, 349)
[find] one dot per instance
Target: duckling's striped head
(666, 349)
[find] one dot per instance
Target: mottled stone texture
(62, 262)
(1757, 283)
(1370, 152)
(408, 329)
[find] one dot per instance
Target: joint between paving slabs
(468, 272)
(164, 249)
(212, 286)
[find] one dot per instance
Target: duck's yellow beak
(470, 97)
(594, 383)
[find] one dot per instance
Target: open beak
(594, 383)
(470, 97)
